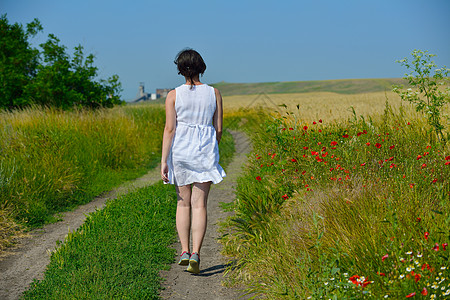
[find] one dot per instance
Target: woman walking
(190, 152)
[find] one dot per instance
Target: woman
(190, 151)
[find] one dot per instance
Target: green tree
(429, 90)
(50, 77)
(18, 61)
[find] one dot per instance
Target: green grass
(53, 160)
(342, 86)
(117, 253)
(320, 205)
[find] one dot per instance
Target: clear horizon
(243, 41)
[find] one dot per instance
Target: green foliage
(50, 77)
(430, 91)
(117, 253)
(320, 203)
(18, 61)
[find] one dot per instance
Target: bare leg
(183, 218)
(199, 199)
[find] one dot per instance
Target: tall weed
(51, 160)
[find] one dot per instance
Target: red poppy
(365, 131)
(283, 129)
(324, 154)
(285, 196)
(359, 133)
(419, 219)
(333, 143)
(314, 123)
(368, 144)
(384, 257)
(447, 157)
(409, 123)
(390, 158)
(305, 156)
(428, 147)
(426, 235)
(320, 130)
(417, 277)
(320, 121)
(436, 247)
(305, 148)
(314, 153)
(411, 295)
(273, 155)
(378, 145)
(392, 166)
(419, 157)
(345, 136)
(392, 147)
(258, 178)
(304, 172)
(444, 246)
(363, 164)
(290, 128)
(305, 127)
(354, 279)
(424, 291)
(426, 153)
(411, 185)
(381, 274)
(447, 163)
(423, 166)
(293, 160)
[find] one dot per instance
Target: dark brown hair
(190, 64)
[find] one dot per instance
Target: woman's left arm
(218, 115)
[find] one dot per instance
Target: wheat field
(318, 105)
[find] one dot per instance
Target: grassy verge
(52, 160)
(344, 210)
(118, 252)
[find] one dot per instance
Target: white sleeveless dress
(194, 155)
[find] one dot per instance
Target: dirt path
(29, 259)
(207, 285)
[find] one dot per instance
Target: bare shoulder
(218, 95)
(171, 96)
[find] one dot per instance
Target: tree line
(49, 76)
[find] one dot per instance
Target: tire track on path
(207, 285)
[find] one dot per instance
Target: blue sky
(243, 40)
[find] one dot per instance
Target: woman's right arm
(169, 131)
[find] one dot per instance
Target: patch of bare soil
(207, 285)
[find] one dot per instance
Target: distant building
(143, 96)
